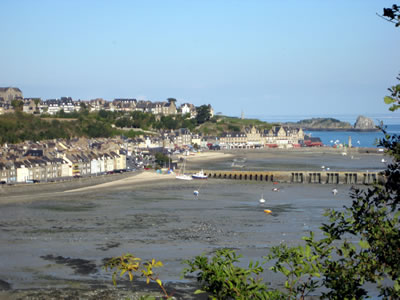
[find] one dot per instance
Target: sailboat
(183, 176)
(262, 200)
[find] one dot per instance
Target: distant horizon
(388, 118)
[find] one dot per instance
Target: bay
(359, 139)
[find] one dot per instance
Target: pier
(311, 177)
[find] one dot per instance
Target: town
(57, 159)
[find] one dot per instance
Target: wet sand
(53, 240)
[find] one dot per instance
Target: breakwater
(316, 177)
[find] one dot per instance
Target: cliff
(364, 123)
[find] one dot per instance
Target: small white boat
(184, 177)
(262, 200)
(199, 175)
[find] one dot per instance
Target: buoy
(267, 211)
(262, 200)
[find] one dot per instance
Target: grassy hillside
(221, 124)
(19, 127)
(322, 123)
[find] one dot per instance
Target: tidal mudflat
(60, 240)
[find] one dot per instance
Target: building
(8, 94)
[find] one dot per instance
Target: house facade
(8, 94)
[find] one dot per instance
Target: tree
(17, 104)
(394, 98)
(161, 159)
(361, 245)
(203, 114)
(392, 14)
(36, 101)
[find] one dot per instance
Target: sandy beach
(206, 156)
(18, 193)
(142, 177)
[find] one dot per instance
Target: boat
(267, 211)
(199, 175)
(183, 176)
(235, 165)
(262, 200)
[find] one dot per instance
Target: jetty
(304, 177)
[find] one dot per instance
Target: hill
(321, 124)
(220, 124)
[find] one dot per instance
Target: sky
(267, 57)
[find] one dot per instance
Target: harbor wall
(315, 177)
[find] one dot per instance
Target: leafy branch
(392, 14)
(129, 264)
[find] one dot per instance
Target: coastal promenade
(321, 177)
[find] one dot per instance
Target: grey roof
(5, 89)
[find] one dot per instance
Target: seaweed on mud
(66, 207)
(80, 266)
(108, 245)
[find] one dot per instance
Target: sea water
(358, 139)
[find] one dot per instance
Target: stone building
(9, 94)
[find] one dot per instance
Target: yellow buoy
(267, 211)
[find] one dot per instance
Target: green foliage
(233, 128)
(394, 98)
(392, 14)
(323, 123)
(300, 265)
(223, 279)
(18, 127)
(161, 159)
(17, 104)
(130, 265)
(203, 114)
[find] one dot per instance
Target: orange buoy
(267, 211)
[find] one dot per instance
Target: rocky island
(331, 124)
(365, 124)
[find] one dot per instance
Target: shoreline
(20, 193)
(142, 177)
(204, 156)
